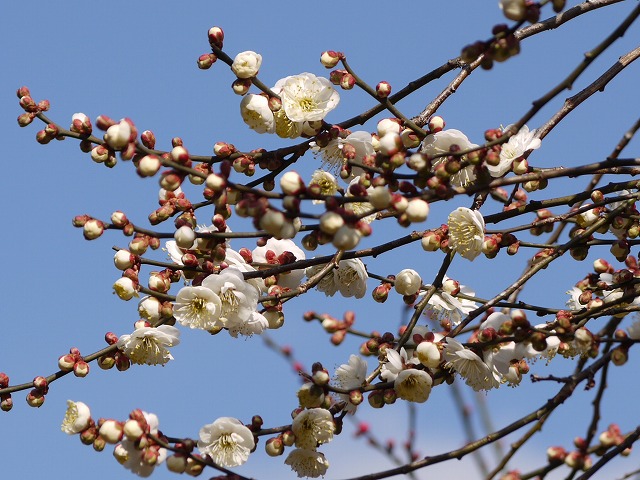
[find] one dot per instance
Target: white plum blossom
(326, 182)
(306, 97)
(246, 64)
(476, 373)
(272, 250)
(307, 462)
(396, 362)
(439, 143)
(466, 232)
(198, 307)
(349, 278)
(413, 385)
(256, 113)
(350, 376)
(313, 427)
(132, 457)
(149, 345)
(239, 300)
(517, 145)
(77, 418)
(227, 441)
(443, 305)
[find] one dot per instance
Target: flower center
(230, 302)
(307, 104)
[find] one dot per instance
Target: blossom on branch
(149, 345)
(517, 145)
(307, 462)
(476, 373)
(198, 307)
(227, 441)
(413, 385)
(239, 301)
(306, 97)
(466, 232)
(351, 376)
(274, 253)
(440, 143)
(444, 306)
(349, 278)
(313, 427)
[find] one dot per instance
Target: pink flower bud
(206, 60)
(241, 86)
(347, 81)
(81, 124)
(25, 119)
(119, 219)
(4, 380)
(436, 124)
(92, 229)
(40, 383)
(383, 89)
(216, 36)
(179, 155)
(66, 363)
(28, 104)
(81, 369)
(35, 398)
(329, 58)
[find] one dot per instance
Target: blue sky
(137, 59)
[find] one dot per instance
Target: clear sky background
(138, 59)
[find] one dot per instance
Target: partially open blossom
(246, 64)
(466, 232)
(227, 441)
(408, 282)
(256, 113)
(77, 418)
(125, 288)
